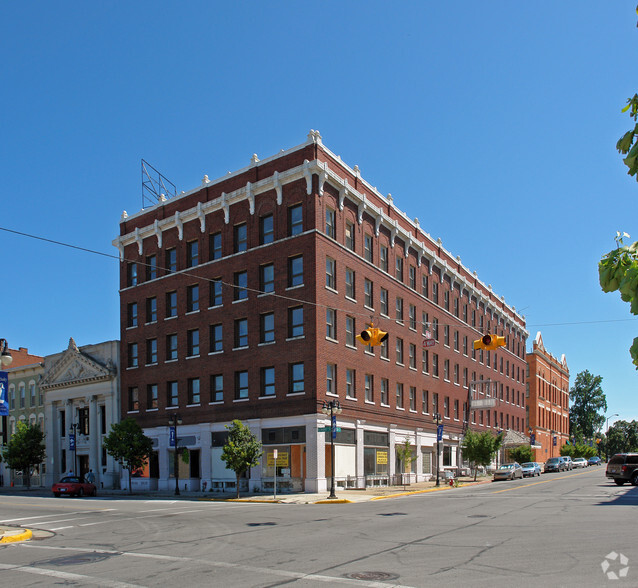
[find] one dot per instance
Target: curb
(335, 501)
(24, 536)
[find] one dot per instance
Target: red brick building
(548, 400)
(241, 299)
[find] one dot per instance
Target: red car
(73, 486)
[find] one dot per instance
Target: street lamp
(5, 354)
(333, 408)
(175, 420)
(73, 431)
(438, 420)
(607, 436)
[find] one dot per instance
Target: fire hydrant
(451, 482)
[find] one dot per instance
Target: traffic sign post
(275, 477)
(428, 343)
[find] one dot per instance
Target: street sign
(4, 393)
(171, 437)
(71, 442)
(328, 428)
(429, 342)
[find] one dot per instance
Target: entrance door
(83, 465)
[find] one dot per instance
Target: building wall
(310, 176)
(548, 388)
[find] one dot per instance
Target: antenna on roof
(155, 187)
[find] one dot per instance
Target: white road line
(58, 521)
(68, 576)
(44, 516)
(184, 511)
(59, 528)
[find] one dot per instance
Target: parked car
(569, 464)
(73, 486)
(623, 467)
(508, 471)
(580, 462)
(594, 460)
(555, 464)
(531, 468)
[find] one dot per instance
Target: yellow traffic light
(489, 342)
(372, 336)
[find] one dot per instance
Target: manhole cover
(371, 576)
(260, 524)
(478, 516)
(392, 514)
(80, 558)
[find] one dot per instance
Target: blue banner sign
(334, 426)
(439, 433)
(171, 437)
(71, 442)
(4, 393)
(532, 439)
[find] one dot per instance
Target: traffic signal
(372, 336)
(489, 342)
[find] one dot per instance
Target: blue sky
(493, 123)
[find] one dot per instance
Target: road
(556, 530)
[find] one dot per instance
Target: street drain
(478, 516)
(260, 524)
(392, 514)
(371, 576)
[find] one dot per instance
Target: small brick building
(241, 299)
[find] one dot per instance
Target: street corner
(14, 534)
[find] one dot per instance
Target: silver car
(580, 462)
(508, 471)
(531, 468)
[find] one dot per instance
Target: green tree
(128, 445)
(578, 450)
(480, 448)
(521, 454)
(587, 413)
(25, 449)
(622, 437)
(242, 450)
(404, 453)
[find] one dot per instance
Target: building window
(215, 246)
(368, 293)
(267, 327)
(425, 361)
(399, 309)
(383, 257)
(295, 220)
(192, 253)
(216, 339)
(295, 271)
(22, 391)
(399, 395)
(446, 369)
(446, 335)
(267, 278)
(456, 307)
(465, 347)
(350, 383)
(331, 323)
(171, 260)
(151, 310)
(446, 407)
(217, 388)
(131, 274)
(424, 285)
(367, 248)
(425, 401)
(171, 347)
(266, 229)
(131, 314)
(171, 304)
(383, 297)
(412, 316)
(151, 267)
(172, 398)
(193, 391)
(412, 277)
(446, 300)
(412, 356)
(350, 235)
(192, 298)
(216, 292)
(435, 329)
(241, 333)
(32, 393)
(193, 342)
(399, 350)
(268, 381)
(132, 355)
(133, 399)
(456, 373)
(350, 287)
(240, 234)
(331, 273)
(456, 340)
(151, 396)
(384, 391)
(412, 398)
(151, 351)
(241, 385)
(83, 421)
(399, 268)
(435, 365)
(465, 377)
(296, 378)
(435, 292)
(330, 222)
(241, 283)
(456, 410)
(331, 378)
(295, 321)
(384, 351)
(350, 331)
(368, 384)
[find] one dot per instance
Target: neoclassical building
(82, 401)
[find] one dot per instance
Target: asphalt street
(557, 529)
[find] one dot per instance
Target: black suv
(623, 467)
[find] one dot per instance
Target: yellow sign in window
(382, 457)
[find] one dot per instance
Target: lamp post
(607, 436)
(174, 440)
(5, 361)
(5, 354)
(333, 408)
(73, 429)
(439, 433)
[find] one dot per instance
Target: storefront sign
(282, 459)
(382, 457)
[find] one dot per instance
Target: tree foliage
(480, 448)
(578, 450)
(128, 445)
(25, 449)
(622, 437)
(242, 450)
(521, 454)
(587, 413)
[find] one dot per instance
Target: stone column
(94, 438)
(315, 457)
(392, 457)
(163, 456)
(52, 444)
(70, 455)
(206, 465)
(418, 470)
(110, 474)
(360, 441)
